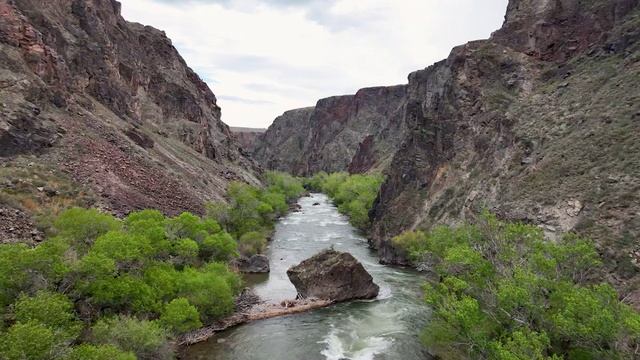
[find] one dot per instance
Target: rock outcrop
(332, 275)
(539, 124)
(252, 265)
(111, 104)
(358, 132)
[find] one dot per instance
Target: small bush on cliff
(502, 291)
(354, 194)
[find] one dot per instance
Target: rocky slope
(358, 132)
(106, 111)
(539, 123)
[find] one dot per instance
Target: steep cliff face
(113, 105)
(538, 124)
(357, 132)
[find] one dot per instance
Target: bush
(83, 226)
(218, 247)
(252, 243)
(285, 184)
(53, 310)
(144, 338)
(208, 291)
(180, 316)
(186, 251)
(30, 340)
(24, 269)
(136, 267)
(99, 352)
(124, 293)
(502, 291)
(353, 194)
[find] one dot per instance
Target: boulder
(332, 275)
(255, 264)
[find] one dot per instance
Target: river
(387, 328)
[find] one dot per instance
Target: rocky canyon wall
(111, 106)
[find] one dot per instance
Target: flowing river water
(387, 328)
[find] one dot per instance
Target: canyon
(537, 124)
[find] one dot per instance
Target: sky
(264, 57)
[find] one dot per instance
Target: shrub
(83, 226)
(353, 194)
(53, 310)
(287, 185)
(30, 269)
(99, 352)
(150, 224)
(186, 251)
(145, 338)
(180, 316)
(504, 292)
(208, 291)
(252, 243)
(189, 226)
(163, 279)
(123, 248)
(124, 293)
(218, 247)
(30, 340)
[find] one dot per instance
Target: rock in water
(332, 275)
(253, 265)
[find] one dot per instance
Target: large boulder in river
(332, 275)
(252, 265)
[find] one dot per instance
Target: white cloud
(263, 57)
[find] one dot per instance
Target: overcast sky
(263, 57)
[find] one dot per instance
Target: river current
(387, 328)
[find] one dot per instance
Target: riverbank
(255, 312)
(386, 328)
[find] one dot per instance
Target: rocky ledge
(332, 275)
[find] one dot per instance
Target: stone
(255, 264)
(332, 275)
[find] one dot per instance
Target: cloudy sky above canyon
(263, 57)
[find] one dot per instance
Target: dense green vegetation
(251, 212)
(129, 284)
(105, 288)
(501, 291)
(353, 194)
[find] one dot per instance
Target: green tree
(252, 243)
(99, 352)
(30, 340)
(53, 310)
(502, 291)
(218, 247)
(83, 226)
(180, 316)
(146, 339)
